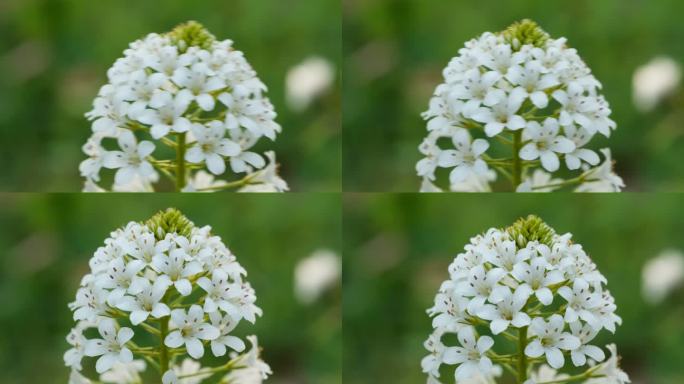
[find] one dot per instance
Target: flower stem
(180, 162)
(522, 359)
(517, 162)
(164, 352)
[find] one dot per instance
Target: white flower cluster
(187, 91)
(528, 91)
(168, 278)
(524, 282)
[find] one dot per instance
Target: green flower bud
(525, 32)
(191, 34)
(170, 221)
(531, 228)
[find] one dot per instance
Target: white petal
(183, 286)
(563, 145)
(207, 332)
(499, 325)
(550, 161)
(534, 349)
(159, 130)
(160, 310)
(459, 174)
(138, 317)
(555, 357)
(479, 146)
(544, 295)
(215, 163)
(529, 151)
(194, 155)
(105, 363)
(195, 348)
(539, 99)
(174, 339)
(206, 102)
(218, 349)
(228, 148)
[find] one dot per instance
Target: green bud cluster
(531, 228)
(525, 32)
(169, 221)
(191, 34)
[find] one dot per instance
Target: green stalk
(517, 162)
(180, 162)
(164, 352)
(522, 359)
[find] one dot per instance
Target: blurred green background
(397, 249)
(47, 240)
(395, 50)
(54, 55)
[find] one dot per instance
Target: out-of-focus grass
(397, 249)
(54, 55)
(47, 241)
(395, 50)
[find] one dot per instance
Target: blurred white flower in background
(316, 274)
(654, 81)
(661, 275)
(307, 81)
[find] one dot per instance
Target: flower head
(166, 277)
(524, 282)
(529, 91)
(184, 90)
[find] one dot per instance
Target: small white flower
(211, 147)
(581, 300)
(307, 80)
(225, 325)
(191, 330)
(610, 370)
(530, 79)
(315, 274)
(661, 275)
(585, 334)
(124, 373)
(122, 278)
(112, 347)
(480, 286)
(147, 302)
(266, 179)
(503, 114)
(255, 371)
(465, 158)
(537, 278)
(168, 115)
(507, 310)
(471, 356)
(602, 178)
(197, 85)
(550, 339)
(131, 160)
(545, 144)
(654, 81)
(177, 269)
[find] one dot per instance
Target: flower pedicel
(175, 105)
(527, 97)
(539, 294)
(174, 286)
